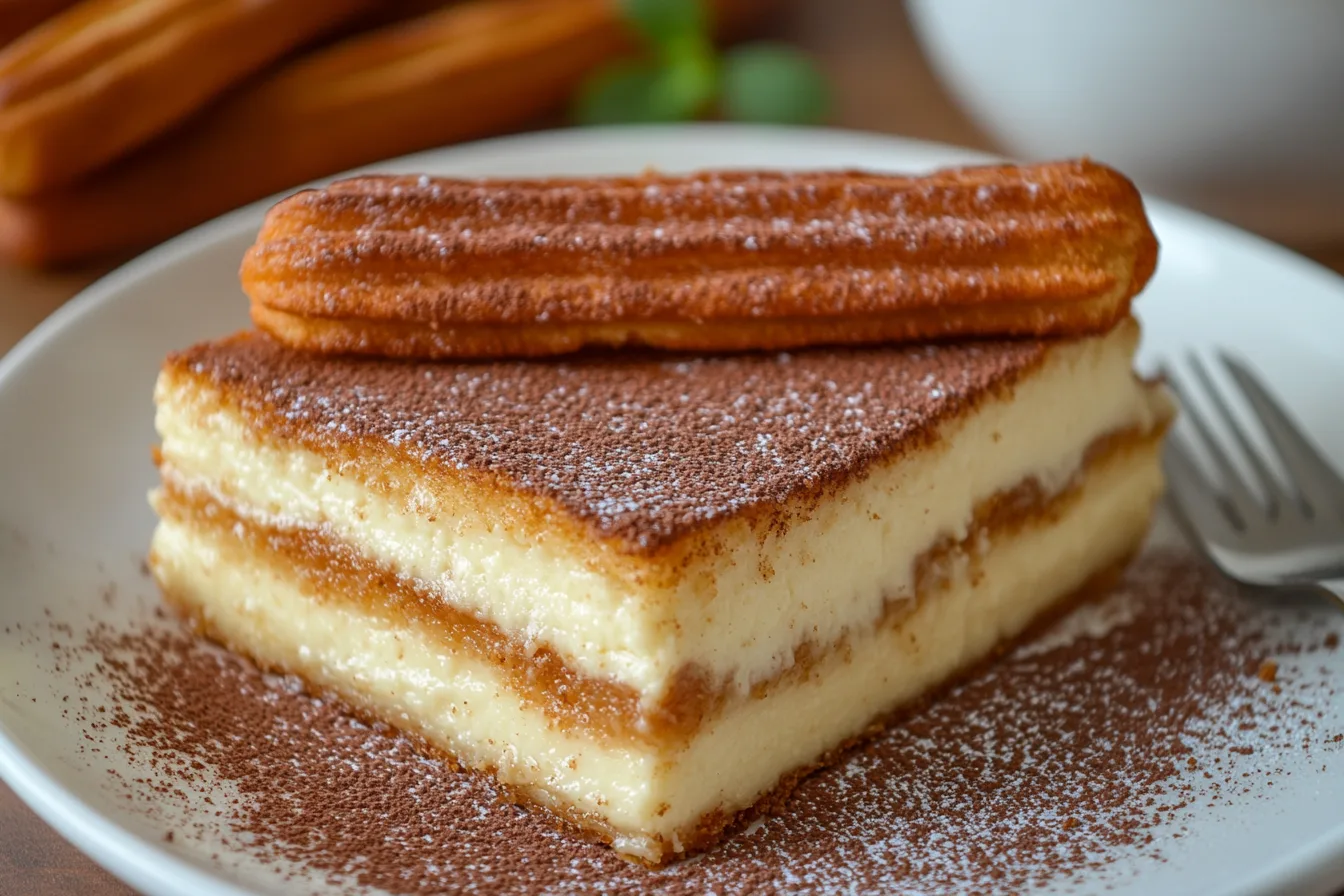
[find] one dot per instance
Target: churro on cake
(435, 268)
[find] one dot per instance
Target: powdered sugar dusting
(1093, 620)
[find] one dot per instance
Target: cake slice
(645, 593)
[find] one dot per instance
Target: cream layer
(652, 801)
(736, 614)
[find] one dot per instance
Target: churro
(17, 17)
(435, 268)
(103, 77)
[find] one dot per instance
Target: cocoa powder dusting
(1069, 752)
(643, 449)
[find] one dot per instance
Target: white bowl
(1234, 106)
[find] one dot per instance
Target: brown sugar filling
(332, 570)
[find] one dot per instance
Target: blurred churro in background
(18, 16)
(93, 87)
(103, 77)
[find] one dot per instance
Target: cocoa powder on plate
(1070, 751)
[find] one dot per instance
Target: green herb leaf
(643, 92)
(624, 92)
(689, 83)
(667, 22)
(773, 83)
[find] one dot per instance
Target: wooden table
(882, 84)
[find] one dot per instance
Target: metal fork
(1264, 530)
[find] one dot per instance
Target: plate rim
(147, 866)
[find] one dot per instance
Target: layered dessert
(646, 593)
(648, 590)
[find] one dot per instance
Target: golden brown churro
(104, 76)
(432, 268)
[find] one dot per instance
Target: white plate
(76, 425)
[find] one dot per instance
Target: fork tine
(1275, 494)
(1207, 512)
(1233, 490)
(1311, 473)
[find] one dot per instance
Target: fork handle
(1333, 587)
